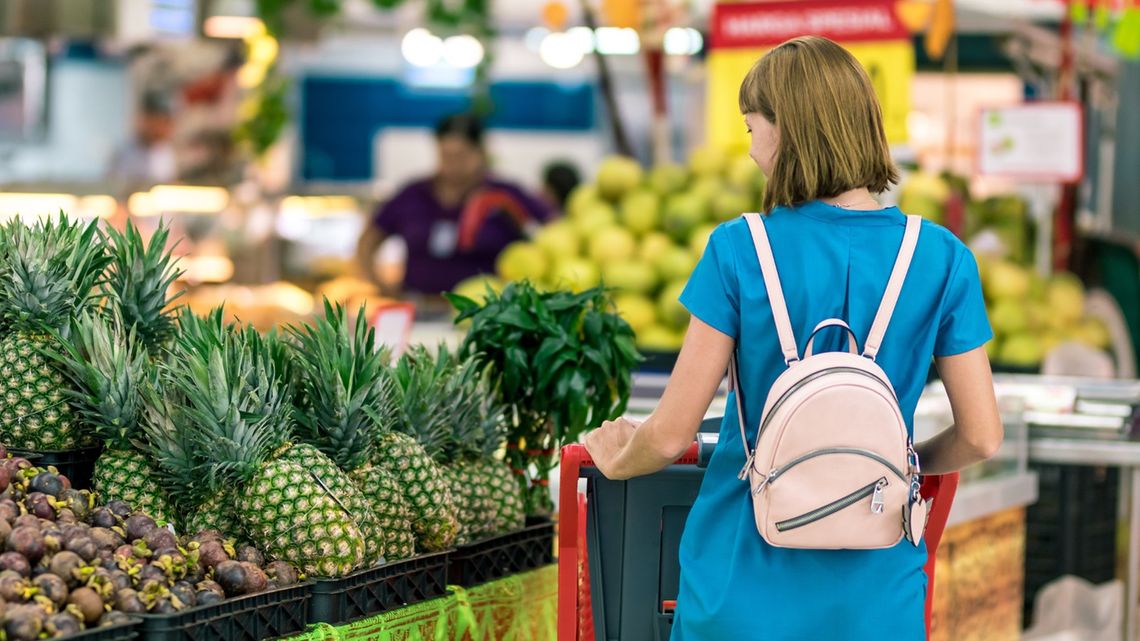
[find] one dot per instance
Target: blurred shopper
(817, 134)
(149, 158)
(456, 222)
(559, 179)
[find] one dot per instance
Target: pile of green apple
(639, 232)
(1031, 315)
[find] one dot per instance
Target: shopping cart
(613, 586)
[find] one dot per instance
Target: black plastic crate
(77, 465)
(376, 590)
(527, 549)
(1071, 530)
(266, 615)
(121, 632)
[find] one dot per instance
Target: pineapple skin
(434, 520)
(288, 513)
(34, 413)
(472, 496)
(217, 514)
(125, 475)
(383, 491)
(510, 511)
(342, 487)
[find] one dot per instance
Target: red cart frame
(574, 620)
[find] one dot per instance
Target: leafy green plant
(562, 363)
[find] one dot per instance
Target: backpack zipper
(874, 490)
(835, 450)
(812, 377)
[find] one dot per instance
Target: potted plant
(562, 363)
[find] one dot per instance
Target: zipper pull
(743, 476)
(877, 503)
(764, 482)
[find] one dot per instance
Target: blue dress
(833, 263)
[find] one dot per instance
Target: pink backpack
(832, 466)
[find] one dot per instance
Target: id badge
(444, 239)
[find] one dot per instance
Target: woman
(456, 222)
(817, 134)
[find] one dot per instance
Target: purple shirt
(448, 244)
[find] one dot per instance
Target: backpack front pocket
(868, 492)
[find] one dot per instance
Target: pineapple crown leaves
(343, 387)
(138, 283)
(233, 400)
(447, 403)
(51, 271)
(107, 373)
(172, 444)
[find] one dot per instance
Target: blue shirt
(833, 263)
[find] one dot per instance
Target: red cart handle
(574, 458)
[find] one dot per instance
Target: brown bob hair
(829, 120)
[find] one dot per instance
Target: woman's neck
(857, 199)
(451, 194)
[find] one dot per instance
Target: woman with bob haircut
(817, 133)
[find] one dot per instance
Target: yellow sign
(890, 64)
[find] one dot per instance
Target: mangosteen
(24, 623)
(114, 617)
(106, 538)
(138, 525)
(209, 592)
(128, 600)
(66, 482)
(163, 605)
(159, 538)
(282, 573)
(104, 517)
(13, 587)
(52, 587)
(9, 511)
(84, 547)
(3, 451)
(211, 553)
(184, 592)
(120, 579)
(152, 573)
(16, 562)
(65, 565)
(28, 541)
(77, 502)
(62, 624)
(47, 483)
(66, 515)
(256, 580)
(5, 529)
(21, 463)
(89, 602)
(42, 508)
(28, 520)
(208, 535)
(251, 554)
(5, 478)
(233, 577)
(121, 509)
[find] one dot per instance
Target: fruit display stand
(264, 615)
(521, 607)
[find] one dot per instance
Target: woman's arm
(622, 450)
(977, 431)
(370, 240)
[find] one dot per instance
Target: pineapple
(345, 393)
(407, 451)
(240, 415)
(108, 371)
(50, 272)
(107, 365)
(485, 488)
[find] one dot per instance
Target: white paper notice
(1036, 141)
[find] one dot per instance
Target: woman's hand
(606, 444)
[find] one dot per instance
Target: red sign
(762, 24)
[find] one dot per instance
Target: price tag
(393, 324)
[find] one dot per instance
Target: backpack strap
(775, 291)
(734, 386)
(894, 287)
